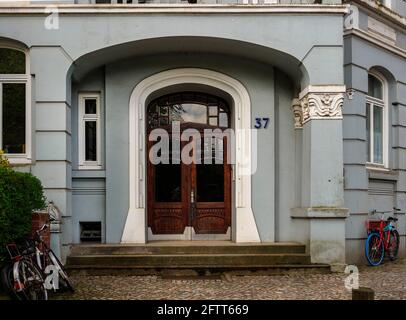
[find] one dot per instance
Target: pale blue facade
(312, 184)
(365, 187)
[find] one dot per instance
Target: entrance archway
(188, 167)
(244, 228)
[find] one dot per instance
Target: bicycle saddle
(392, 219)
(28, 251)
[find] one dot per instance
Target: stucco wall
(88, 186)
(276, 145)
(122, 77)
(292, 43)
(293, 37)
(288, 160)
(366, 190)
(399, 6)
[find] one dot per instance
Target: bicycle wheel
(7, 280)
(29, 281)
(374, 249)
(63, 275)
(393, 245)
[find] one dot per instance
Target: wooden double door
(189, 197)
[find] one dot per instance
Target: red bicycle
(383, 238)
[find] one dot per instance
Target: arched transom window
(188, 107)
(376, 120)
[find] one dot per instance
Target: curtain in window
(378, 134)
(368, 124)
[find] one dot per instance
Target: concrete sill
(319, 213)
(88, 174)
(382, 174)
(18, 160)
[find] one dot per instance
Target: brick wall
(38, 220)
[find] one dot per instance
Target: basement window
(90, 232)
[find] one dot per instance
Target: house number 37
(261, 123)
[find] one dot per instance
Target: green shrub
(20, 194)
(3, 160)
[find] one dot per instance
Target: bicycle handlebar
(52, 218)
(39, 231)
(382, 213)
(391, 211)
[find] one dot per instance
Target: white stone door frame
(244, 228)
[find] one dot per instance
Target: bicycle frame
(30, 261)
(42, 253)
(16, 258)
(37, 257)
(385, 229)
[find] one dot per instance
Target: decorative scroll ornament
(350, 93)
(322, 104)
(297, 113)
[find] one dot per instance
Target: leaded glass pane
(188, 107)
(12, 61)
(375, 88)
(13, 97)
(223, 120)
(368, 125)
(90, 106)
(378, 134)
(91, 141)
(210, 172)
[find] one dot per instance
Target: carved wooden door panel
(211, 189)
(197, 195)
(183, 195)
(167, 195)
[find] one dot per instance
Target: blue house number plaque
(261, 123)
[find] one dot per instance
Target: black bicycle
(32, 264)
(46, 258)
(22, 278)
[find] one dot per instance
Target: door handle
(192, 205)
(192, 196)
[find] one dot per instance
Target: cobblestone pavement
(388, 281)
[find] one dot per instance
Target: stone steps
(190, 260)
(175, 248)
(199, 258)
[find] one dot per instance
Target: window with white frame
(377, 121)
(89, 131)
(386, 3)
(15, 112)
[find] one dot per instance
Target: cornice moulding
(173, 8)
